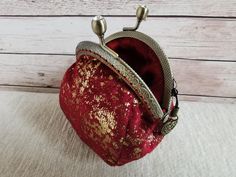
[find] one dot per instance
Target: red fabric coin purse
(120, 95)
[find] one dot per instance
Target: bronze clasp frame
(141, 14)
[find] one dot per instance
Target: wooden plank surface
(206, 78)
(37, 140)
(191, 38)
(37, 39)
(119, 7)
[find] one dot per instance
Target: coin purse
(120, 95)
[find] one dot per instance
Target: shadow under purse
(119, 94)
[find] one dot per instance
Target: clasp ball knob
(142, 12)
(99, 26)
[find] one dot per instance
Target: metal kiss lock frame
(111, 59)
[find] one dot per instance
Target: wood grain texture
(36, 49)
(191, 38)
(37, 140)
(118, 7)
(195, 77)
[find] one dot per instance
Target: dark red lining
(143, 60)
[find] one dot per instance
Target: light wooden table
(36, 140)
(38, 40)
